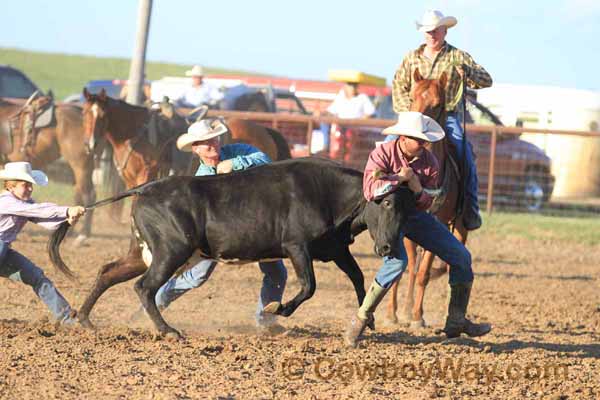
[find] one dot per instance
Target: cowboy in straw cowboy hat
(200, 92)
(16, 209)
(432, 59)
(203, 138)
(405, 160)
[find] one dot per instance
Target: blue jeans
(273, 285)
(18, 268)
(454, 132)
(423, 229)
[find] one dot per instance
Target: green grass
(66, 74)
(544, 228)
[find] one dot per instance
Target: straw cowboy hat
(416, 125)
(432, 19)
(200, 131)
(195, 71)
(21, 171)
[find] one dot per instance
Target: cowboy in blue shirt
(203, 139)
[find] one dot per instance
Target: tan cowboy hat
(432, 19)
(21, 171)
(195, 71)
(416, 125)
(200, 131)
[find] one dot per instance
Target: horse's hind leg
(422, 280)
(118, 271)
(303, 266)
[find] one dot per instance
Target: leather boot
(364, 316)
(456, 323)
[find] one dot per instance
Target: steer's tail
(58, 236)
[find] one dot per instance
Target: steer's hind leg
(303, 266)
(158, 274)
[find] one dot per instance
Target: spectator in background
(200, 93)
(348, 103)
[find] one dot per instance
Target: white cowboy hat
(195, 71)
(416, 125)
(200, 131)
(432, 19)
(21, 171)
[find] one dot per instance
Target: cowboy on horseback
(432, 59)
(406, 161)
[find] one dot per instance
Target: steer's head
(385, 218)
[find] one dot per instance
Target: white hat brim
(36, 177)
(434, 132)
(447, 21)
(184, 142)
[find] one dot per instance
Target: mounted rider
(432, 59)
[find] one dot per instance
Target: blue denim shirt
(243, 156)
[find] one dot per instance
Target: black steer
(300, 209)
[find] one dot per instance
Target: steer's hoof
(173, 335)
(272, 308)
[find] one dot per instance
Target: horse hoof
(391, 320)
(80, 240)
(272, 308)
(416, 325)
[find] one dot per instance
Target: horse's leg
(85, 194)
(303, 266)
(118, 271)
(422, 280)
(413, 262)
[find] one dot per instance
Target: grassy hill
(66, 74)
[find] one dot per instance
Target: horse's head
(95, 120)
(385, 218)
(429, 96)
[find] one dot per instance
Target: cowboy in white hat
(405, 160)
(203, 138)
(434, 58)
(200, 92)
(16, 209)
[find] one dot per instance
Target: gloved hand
(73, 214)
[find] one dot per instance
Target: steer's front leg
(302, 262)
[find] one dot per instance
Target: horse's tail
(59, 234)
(283, 149)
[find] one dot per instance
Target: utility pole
(138, 61)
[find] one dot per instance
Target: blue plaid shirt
(243, 156)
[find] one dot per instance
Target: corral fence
(519, 169)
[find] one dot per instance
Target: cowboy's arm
(48, 215)
(401, 87)
(477, 76)
(378, 179)
(244, 156)
(428, 177)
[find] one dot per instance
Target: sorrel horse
(61, 138)
(428, 97)
(137, 160)
(121, 123)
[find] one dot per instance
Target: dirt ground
(541, 298)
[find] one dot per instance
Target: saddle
(37, 113)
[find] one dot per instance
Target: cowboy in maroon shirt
(406, 161)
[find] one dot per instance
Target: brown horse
(138, 162)
(428, 97)
(63, 138)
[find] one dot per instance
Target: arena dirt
(541, 297)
